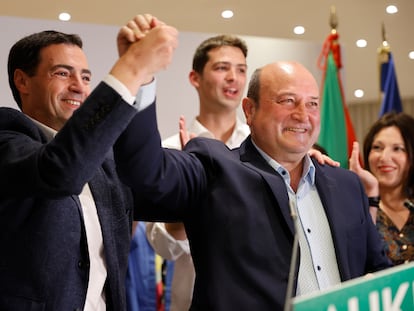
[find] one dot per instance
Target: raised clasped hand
(146, 46)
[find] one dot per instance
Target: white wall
(175, 95)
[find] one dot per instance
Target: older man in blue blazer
(237, 205)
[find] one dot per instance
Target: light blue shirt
(318, 268)
(144, 98)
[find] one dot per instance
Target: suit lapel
(101, 196)
(251, 158)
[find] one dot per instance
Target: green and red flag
(337, 133)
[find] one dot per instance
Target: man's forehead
(64, 54)
(229, 63)
(226, 51)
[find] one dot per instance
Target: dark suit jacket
(44, 262)
(236, 212)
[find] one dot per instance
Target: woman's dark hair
(405, 124)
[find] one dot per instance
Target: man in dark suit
(237, 205)
(65, 217)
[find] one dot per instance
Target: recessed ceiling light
(391, 9)
(64, 17)
(361, 43)
(299, 30)
(359, 93)
(227, 14)
(411, 55)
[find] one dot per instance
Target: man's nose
(231, 74)
(78, 85)
(300, 111)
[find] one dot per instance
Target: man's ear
(21, 80)
(249, 109)
(194, 78)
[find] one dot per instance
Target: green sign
(388, 290)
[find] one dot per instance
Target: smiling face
(59, 86)
(286, 121)
(388, 159)
(223, 79)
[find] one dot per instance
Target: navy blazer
(235, 208)
(44, 261)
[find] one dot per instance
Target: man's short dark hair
(201, 54)
(253, 90)
(25, 54)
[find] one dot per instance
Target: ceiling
(265, 18)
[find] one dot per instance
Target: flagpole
(333, 20)
(383, 57)
(385, 48)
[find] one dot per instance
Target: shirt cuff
(165, 244)
(144, 98)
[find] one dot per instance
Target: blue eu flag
(391, 100)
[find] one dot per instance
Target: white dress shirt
(318, 267)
